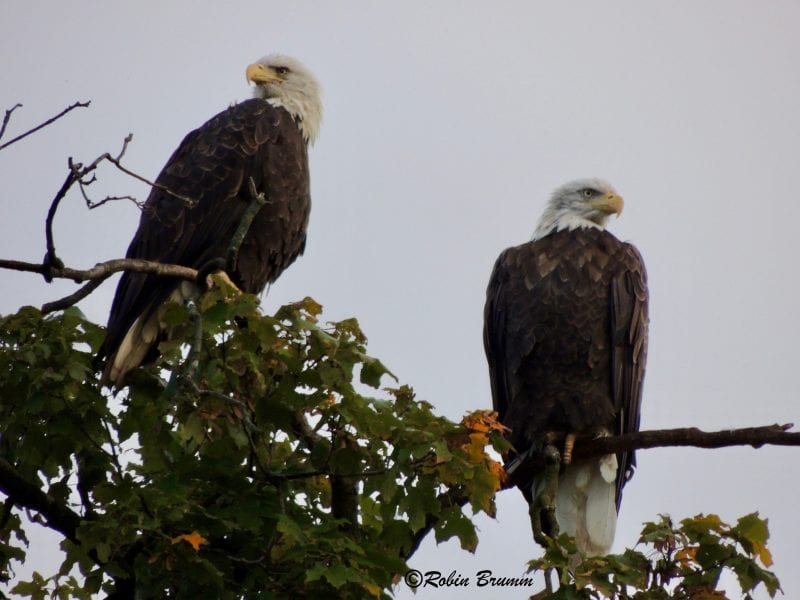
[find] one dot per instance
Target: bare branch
(73, 298)
(41, 125)
(524, 466)
(96, 203)
(78, 173)
(96, 275)
(116, 162)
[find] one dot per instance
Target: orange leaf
(484, 420)
(195, 539)
(686, 555)
(497, 470)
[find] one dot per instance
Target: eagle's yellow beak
(258, 73)
(610, 204)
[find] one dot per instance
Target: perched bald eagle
(264, 138)
(565, 336)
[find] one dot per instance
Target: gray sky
(446, 127)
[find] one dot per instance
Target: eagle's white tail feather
(143, 334)
(586, 504)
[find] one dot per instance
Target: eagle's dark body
(212, 167)
(566, 338)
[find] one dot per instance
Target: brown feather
(566, 338)
(212, 166)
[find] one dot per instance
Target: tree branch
(521, 468)
(38, 127)
(115, 160)
(78, 173)
(59, 517)
(96, 275)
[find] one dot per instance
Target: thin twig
(7, 117)
(115, 160)
(41, 125)
(78, 173)
(73, 298)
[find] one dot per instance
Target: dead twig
(78, 173)
(7, 117)
(38, 127)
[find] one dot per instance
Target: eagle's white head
(579, 203)
(285, 81)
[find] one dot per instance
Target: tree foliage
(252, 462)
(262, 458)
(679, 562)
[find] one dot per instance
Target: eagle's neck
(306, 112)
(558, 219)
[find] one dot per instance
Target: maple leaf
(484, 420)
(195, 539)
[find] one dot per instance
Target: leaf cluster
(261, 458)
(681, 562)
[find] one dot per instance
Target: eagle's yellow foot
(214, 268)
(554, 438)
(543, 507)
(223, 276)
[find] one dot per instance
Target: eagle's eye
(281, 70)
(588, 193)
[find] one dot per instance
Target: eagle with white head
(565, 336)
(200, 197)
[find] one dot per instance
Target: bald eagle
(565, 335)
(264, 138)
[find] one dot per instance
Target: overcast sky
(446, 127)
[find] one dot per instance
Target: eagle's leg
(544, 502)
(569, 444)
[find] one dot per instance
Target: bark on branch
(521, 468)
(96, 275)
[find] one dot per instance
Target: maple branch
(38, 127)
(521, 468)
(59, 517)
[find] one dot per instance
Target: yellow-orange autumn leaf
(483, 420)
(686, 555)
(497, 470)
(195, 539)
(762, 553)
